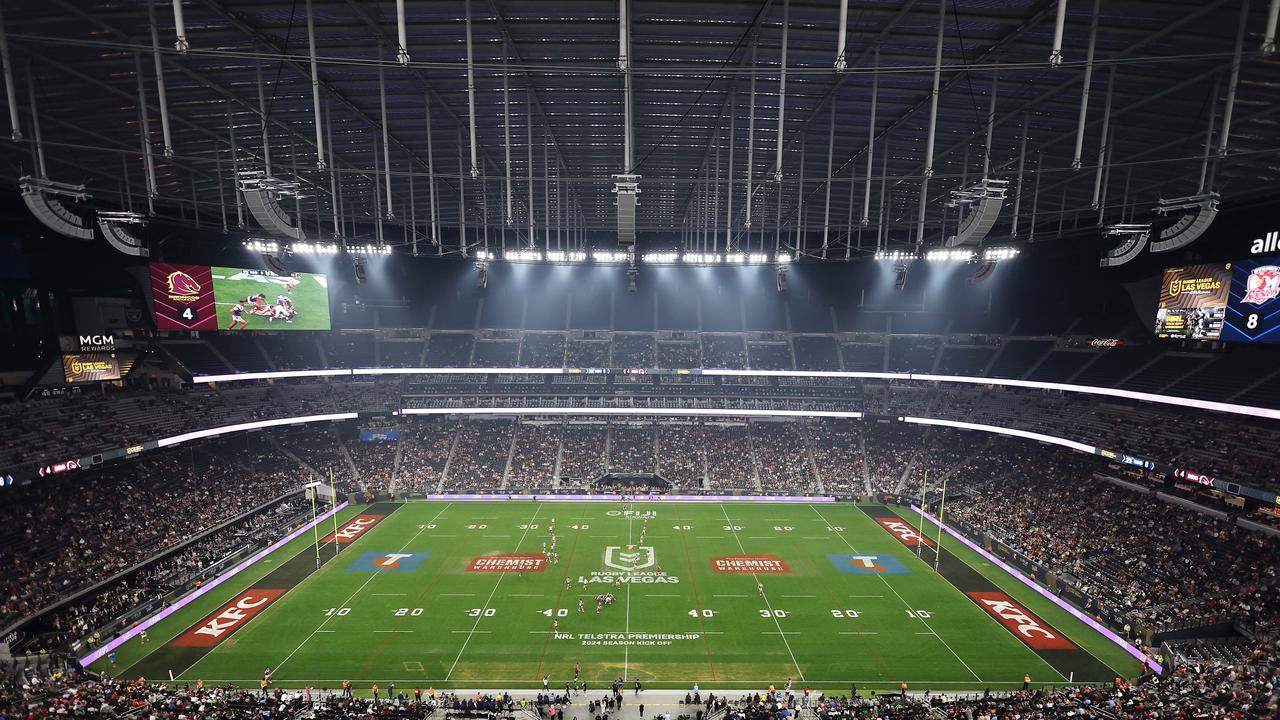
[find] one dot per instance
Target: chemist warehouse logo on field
(868, 564)
(388, 562)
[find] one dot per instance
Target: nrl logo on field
(630, 558)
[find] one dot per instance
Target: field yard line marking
(653, 595)
(490, 599)
(853, 632)
(865, 596)
(478, 632)
(327, 631)
(799, 596)
(764, 597)
(626, 649)
(387, 594)
(357, 592)
(457, 594)
(526, 595)
(905, 604)
(309, 578)
(730, 596)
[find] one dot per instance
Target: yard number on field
(702, 613)
(339, 612)
(411, 612)
(921, 614)
(478, 612)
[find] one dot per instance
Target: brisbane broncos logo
(182, 284)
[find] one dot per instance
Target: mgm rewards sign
(89, 358)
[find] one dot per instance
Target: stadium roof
(1164, 66)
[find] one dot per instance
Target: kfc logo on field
(351, 531)
(215, 628)
(1263, 285)
(904, 532)
(1030, 629)
(630, 558)
(753, 564)
(514, 562)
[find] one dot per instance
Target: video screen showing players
(263, 300)
(198, 297)
(1193, 302)
(1253, 312)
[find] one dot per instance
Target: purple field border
(638, 498)
(1081, 616)
(189, 598)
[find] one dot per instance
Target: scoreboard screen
(1193, 302)
(1253, 312)
(199, 297)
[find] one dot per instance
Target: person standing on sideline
(637, 686)
(642, 710)
(902, 690)
(546, 681)
(346, 689)
(1026, 681)
(375, 693)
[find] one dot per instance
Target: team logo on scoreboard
(630, 558)
(1263, 285)
(388, 562)
(868, 564)
(182, 287)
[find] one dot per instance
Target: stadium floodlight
(522, 256)
(661, 258)
(735, 258)
(265, 247)
(314, 248)
(610, 256)
(783, 258)
(701, 258)
(560, 256)
(483, 255)
(896, 255)
(995, 254)
(941, 255)
(378, 249)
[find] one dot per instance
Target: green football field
(310, 299)
(426, 593)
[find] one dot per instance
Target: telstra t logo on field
(388, 562)
(868, 564)
(630, 558)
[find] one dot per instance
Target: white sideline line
(850, 632)
(347, 602)
(327, 631)
(490, 599)
(927, 633)
(905, 604)
(764, 597)
(393, 631)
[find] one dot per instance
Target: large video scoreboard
(200, 297)
(1234, 302)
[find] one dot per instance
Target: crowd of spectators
(70, 531)
(1159, 564)
(837, 453)
(631, 448)
(782, 457)
(480, 457)
(633, 351)
(533, 460)
(582, 457)
(542, 350)
(682, 454)
(730, 463)
(426, 445)
(375, 463)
